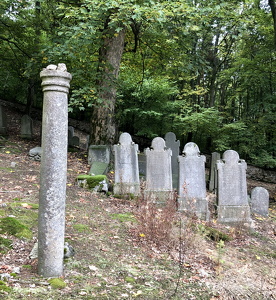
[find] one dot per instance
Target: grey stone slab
(98, 168)
(26, 131)
(126, 166)
(174, 145)
(260, 201)
(232, 189)
(158, 171)
(100, 153)
(192, 183)
(3, 122)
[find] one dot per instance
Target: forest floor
(123, 251)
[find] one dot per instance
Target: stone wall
(260, 174)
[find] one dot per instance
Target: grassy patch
(81, 227)
(124, 217)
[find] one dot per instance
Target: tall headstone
(51, 220)
(213, 181)
(126, 166)
(26, 127)
(173, 144)
(3, 122)
(260, 201)
(233, 206)
(158, 172)
(192, 183)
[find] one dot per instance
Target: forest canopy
(204, 70)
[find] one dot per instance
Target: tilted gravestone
(158, 172)
(26, 127)
(233, 204)
(192, 183)
(3, 122)
(260, 201)
(99, 159)
(213, 182)
(173, 144)
(126, 166)
(53, 170)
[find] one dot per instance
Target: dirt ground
(116, 257)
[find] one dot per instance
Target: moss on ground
(5, 244)
(57, 283)
(13, 227)
(91, 181)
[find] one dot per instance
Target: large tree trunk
(103, 123)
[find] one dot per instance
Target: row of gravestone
(163, 162)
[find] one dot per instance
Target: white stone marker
(158, 172)
(126, 166)
(192, 184)
(260, 201)
(233, 206)
(53, 172)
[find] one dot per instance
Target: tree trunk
(273, 12)
(103, 123)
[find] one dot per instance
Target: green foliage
(204, 70)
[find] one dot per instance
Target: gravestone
(3, 122)
(73, 140)
(126, 166)
(158, 172)
(233, 204)
(260, 201)
(26, 127)
(173, 144)
(99, 159)
(213, 183)
(192, 183)
(53, 170)
(142, 164)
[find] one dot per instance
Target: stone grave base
(159, 197)
(234, 214)
(126, 189)
(197, 206)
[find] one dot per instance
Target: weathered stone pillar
(51, 220)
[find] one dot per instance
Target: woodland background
(202, 69)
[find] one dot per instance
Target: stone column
(53, 172)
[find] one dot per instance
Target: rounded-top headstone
(170, 137)
(231, 156)
(191, 149)
(158, 144)
(125, 139)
